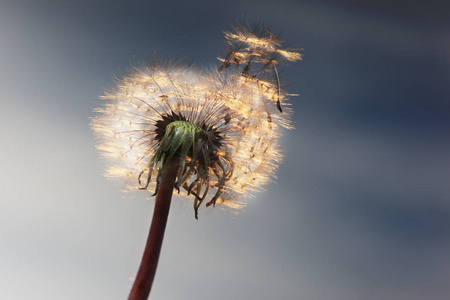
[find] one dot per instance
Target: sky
(361, 206)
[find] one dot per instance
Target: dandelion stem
(144, 278)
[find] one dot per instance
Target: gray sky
(360, 209)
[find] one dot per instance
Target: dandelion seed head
(222, 127)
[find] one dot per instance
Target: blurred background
(361, 208)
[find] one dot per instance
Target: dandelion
(210, 135)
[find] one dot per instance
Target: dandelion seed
(210, 135)
(258, 51)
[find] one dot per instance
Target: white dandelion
(209, 135)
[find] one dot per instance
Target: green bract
(196, 149)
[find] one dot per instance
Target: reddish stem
(144, 278)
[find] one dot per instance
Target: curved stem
(144, 278)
